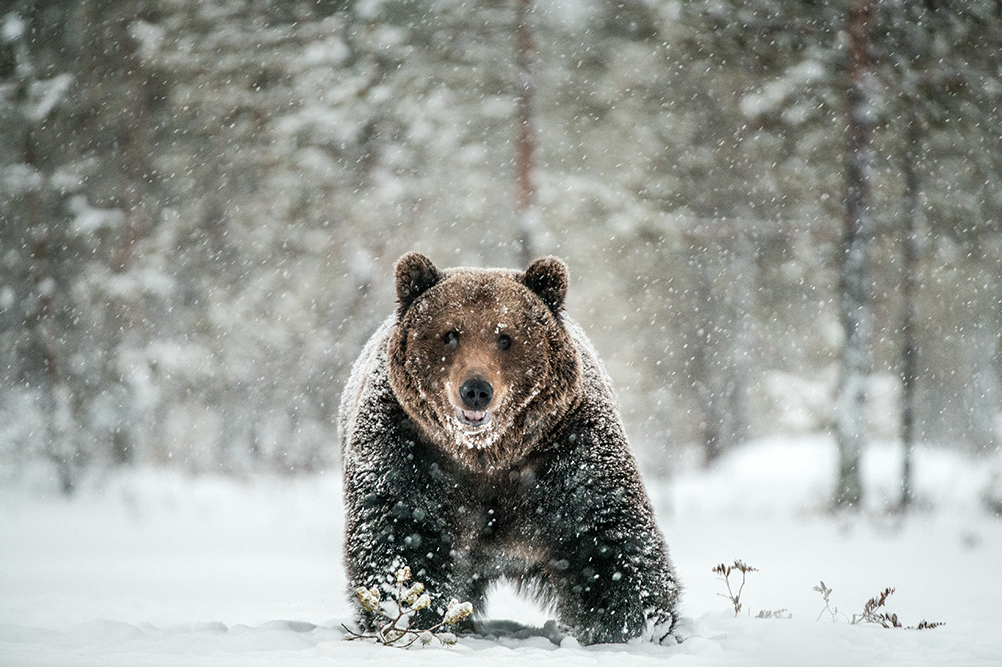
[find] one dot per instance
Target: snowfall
(150, 566)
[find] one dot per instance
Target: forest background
(202, 200)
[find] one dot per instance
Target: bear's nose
(476, 394)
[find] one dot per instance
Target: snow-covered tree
(222, 188)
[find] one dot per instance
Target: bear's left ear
(548, 278)
(415, 274)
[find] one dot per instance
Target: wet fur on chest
(489, 509)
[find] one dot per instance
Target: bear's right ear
(415, 274)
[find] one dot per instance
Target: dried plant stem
(393, 632)
(725, 571)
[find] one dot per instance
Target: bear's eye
(451, 340)
(504, 342)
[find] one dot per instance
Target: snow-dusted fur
(546, 494)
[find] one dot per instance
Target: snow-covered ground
(152, 567)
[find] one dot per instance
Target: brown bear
(481, 440)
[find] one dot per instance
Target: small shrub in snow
(397, 628)
(873, 611)
(826, 594)
(872, 614)
(725, 572)
(735, 598)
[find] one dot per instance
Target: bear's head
(480, 359)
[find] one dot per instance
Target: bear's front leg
(606, 559)
(401, 512)
(612, 589)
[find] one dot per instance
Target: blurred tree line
(201, 202)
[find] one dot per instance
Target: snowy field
(151, 567)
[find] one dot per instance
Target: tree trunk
(909, 352)
(525, 143)
(742, 304)
(850, 417)
(59, 446)
(131, 128)
(722, 352)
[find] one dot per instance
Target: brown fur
(536, 380)
(530, 479)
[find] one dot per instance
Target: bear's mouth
(473, 419)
